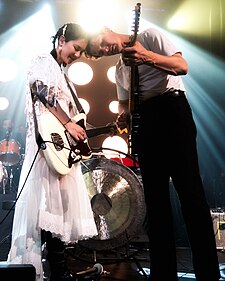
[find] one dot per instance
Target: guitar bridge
(57, 141)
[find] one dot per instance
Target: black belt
(169, 94)
(175, 93)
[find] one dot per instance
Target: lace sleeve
(45, 69)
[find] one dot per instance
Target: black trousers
(55, 256)
(167, 149)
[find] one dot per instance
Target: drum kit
(10, 165)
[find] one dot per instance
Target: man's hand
(134, 55)
(123, 121)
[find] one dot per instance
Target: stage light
(115, 147)
(181, 20)
(175, 22)
(97, 15)
(4, 103)
(80, 73)
(8, 70)
(113, 106)
(85, 105)
(111, 74)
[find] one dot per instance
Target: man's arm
(137, 55)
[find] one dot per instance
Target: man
(166, 146)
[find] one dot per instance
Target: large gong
(117, 201)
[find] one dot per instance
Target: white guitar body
(61, 150)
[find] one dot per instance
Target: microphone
(96, 269)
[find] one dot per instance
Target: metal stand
(11, 180)
(119, 255)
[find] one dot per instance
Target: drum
(9, 152)
(3, 178)
(117, 200)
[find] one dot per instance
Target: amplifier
(218, 217)
(16, 272)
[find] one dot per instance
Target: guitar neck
(111, 128)
(133, 97)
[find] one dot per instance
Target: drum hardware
(9, 152)
(13, 177)
(10, 179)
(3, 178)
(22, 159)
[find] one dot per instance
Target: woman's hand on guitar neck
(76, 131)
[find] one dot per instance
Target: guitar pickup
(57, 141)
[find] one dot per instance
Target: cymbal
(117, 200)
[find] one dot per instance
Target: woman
(51, 208)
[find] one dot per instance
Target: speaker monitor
(6, 218)
(17, 272)
(218, 217)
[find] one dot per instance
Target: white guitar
(62, 150)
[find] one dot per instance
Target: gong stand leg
(126, 257)
(95, 255)
(131, 257)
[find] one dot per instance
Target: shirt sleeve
(154, 40)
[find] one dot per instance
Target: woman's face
(71, 50)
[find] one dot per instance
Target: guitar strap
(76, 100)
(39, 140)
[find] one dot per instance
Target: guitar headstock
(135, 24)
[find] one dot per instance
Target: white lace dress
(57, 204)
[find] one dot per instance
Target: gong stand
(109, 256)
(117, 200)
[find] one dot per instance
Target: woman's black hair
(71, 31)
